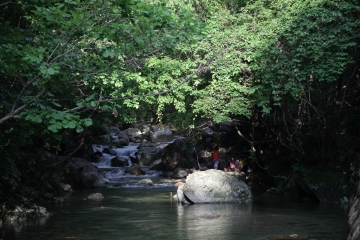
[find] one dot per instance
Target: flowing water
(133, 211)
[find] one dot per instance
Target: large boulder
(80, 173)
(123, 138)
(157, 165)
(148, 155)
(213, 186)
(178, 154)
(144, 128)
(165, 135)
(134, 135)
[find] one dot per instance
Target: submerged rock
(95, 196)
(209, 215)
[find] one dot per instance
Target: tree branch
(5, 3)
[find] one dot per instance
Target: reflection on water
(145, 213)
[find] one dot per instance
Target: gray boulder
(180, 173)
(165, 135)
(80, 173)
(134, 135)
(213, 186)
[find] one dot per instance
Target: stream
(133, 211)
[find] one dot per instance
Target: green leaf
(53, 128)
(93, 104)
(79, 129)
(88, 122)
(71, 124)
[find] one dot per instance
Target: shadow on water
(149, 213)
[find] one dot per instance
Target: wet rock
(123, 139)
(65, 187)
(135, 170)
(134, 135)
(20, 213)
(95, 196)
(146, 181)
(165, 135)
(178, 154)
(96, 157)
(144, 129)
(119, 161)
(148, 155)
(180, 173)
(110, 151)
(114, 130)
(157, 165)
(80, 173)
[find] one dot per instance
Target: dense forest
(284, 72)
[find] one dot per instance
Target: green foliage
(302, 44)
(64, 63)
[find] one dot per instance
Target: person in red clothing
(216, 157)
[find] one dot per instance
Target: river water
(133, 211)
(149, 213)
